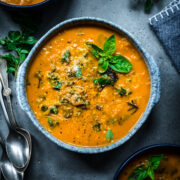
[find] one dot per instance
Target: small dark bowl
(163, 147)
(12, 7)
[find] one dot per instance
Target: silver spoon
(8, 170)
(18, 143)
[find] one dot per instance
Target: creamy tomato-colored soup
(22, 2)
(64, 97)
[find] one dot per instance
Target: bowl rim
(151, 64)
(140, 151)
(23, 7)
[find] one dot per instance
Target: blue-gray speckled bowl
(160, 147)
(152, 66)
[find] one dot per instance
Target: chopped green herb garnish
(86, 55)
(53, 123)
(97, 127)
(58, 85)
(64, 101)
(104, 81)
(109, 135)
(44, 108)
(66, 57)
(144, 171)
(54, 110)
(79, 72)
(107, 59)
(122, 92)
(98, 107)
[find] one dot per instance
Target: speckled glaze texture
(171, 147)
(21, 84)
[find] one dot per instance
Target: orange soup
(166, 166)
(88, 86)
(22, 2)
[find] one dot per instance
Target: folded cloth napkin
(166, 25)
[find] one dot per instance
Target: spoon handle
(7, 91)
(2, 104)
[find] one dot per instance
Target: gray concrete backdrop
(50, 162)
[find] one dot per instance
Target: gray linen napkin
(166, 25)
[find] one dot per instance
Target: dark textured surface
(50, 162)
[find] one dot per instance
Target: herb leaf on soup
(102, 65)
(44, 108)
(53, 123)
(110, 45)
(54, 110)
(78, 72)
(66, 57)
(58, 85)
(109, 135)
(104, 81)
(120, 64)
(147, 170)
(107, 59)
(155, 161)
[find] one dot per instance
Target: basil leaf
(110, 45)
(142, 172)
(10, 70)
(102, 66)
(122, 65)
(138, 174)
(150, 173)
(109, 135)
(30, 40)
(79, 72)
(24, 51)
(14, 35)
(95, 53)
(155, 161)
(96, 50)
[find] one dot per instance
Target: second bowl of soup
(88, 85)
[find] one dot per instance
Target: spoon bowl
(8, 170)
(17, 149)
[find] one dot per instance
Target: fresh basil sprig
(19, 44)
(147, 170)
(107, 59)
